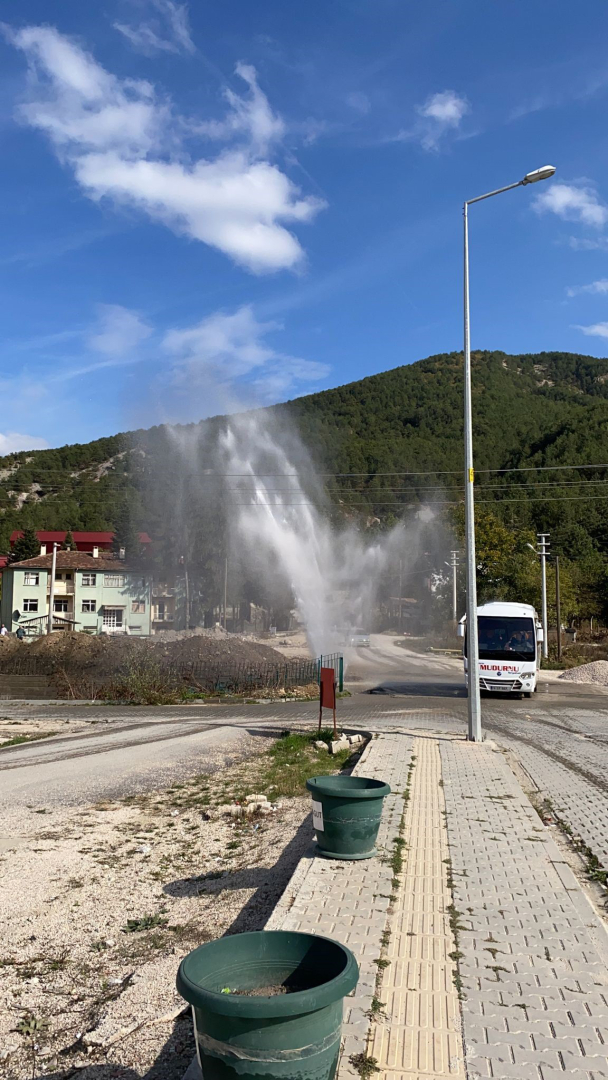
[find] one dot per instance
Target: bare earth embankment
(100, 903)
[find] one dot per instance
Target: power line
(436, 502)
(427, 472)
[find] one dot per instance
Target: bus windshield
(506, 638)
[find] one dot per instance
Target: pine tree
(126, 536)
(5, 538)
(69, 543)
(26, 547)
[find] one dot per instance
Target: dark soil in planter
(268, 991)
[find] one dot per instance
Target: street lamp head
(539, 174)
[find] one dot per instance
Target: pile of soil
(596, 672)
(106, 654)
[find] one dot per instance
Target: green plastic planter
(346, 812)
(294, 1036)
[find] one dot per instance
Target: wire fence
(209, 676)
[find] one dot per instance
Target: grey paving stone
(514, 900)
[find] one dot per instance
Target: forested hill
(530, 410)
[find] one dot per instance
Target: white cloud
(251, 116)
(226, 348)
(359, 102)
(446, 108)
(599, 329)
(120, 331)
(595, 288)
(439, 114)
(167, 31)
(585, 243)
(13, 441)
(573, 202)
(124, 143)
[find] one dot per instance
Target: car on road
(359, 639)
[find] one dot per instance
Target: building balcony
(62, 588)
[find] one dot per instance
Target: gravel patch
(596, 672)
(100, 903)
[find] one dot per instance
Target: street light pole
(473, 698)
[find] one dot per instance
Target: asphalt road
(126, 750)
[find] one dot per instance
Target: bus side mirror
(460, 630)
(540, 635)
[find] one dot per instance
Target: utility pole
(225, 589)
(49, 625)
(558, 610)
(454, 565)
(400, 596)
(187, 584)
(543, 545)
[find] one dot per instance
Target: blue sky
(231, 204)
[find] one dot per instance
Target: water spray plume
(282, 519)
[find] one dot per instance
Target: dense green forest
(532, 412)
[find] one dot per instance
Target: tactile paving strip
(419, 1035)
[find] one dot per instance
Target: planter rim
(302, 1001)
(338, 787)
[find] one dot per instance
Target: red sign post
(327, 694)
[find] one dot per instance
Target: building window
(89, 579)
(31, 577)
(68, 577)
(135, 629)
(89, 605)
(112, 618)
(114, 581)
(60, 604)
(160, 610)
(30, 605)
(138, 607)
(58, 575)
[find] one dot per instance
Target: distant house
(93, 591)
(84, 541)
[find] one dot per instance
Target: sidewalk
(492, 959)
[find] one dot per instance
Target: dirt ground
(14, 731)
(101, 903)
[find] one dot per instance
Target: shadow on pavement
(419, 689)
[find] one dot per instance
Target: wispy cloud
(166, 30)
(251, 116)
(595, 288)
(586, 243)
(13, 441)
(225, 361)
(439, 115)
(359, 101)
(125, 143)
(120, 331)
(599, 329)
(576, 201)
(227, 348)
